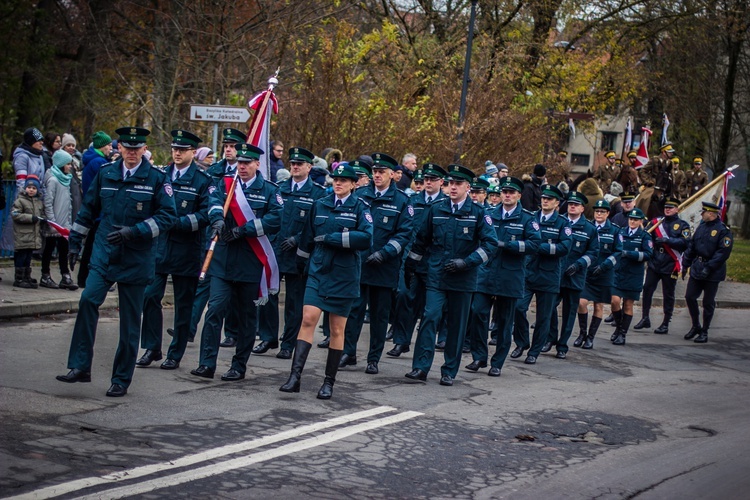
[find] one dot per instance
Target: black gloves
(662, 239)
(72, 260)
(501, 244)
(34, 219)
(120, 236)
(597, 271)
(217, 227)
(301, 264)
(700, 275)
(234, 234)
(375, 259)
(455, 265)
(288, 244)
(571, 270)
(684, 273)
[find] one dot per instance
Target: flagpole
(697, 195)
(272, 82)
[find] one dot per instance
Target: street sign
(225, 114)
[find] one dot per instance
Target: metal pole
(215, 141)
(465, 86)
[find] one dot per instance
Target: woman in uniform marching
(637, 249)
(339, 226)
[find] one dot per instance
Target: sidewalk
(18, 302)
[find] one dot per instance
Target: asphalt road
(658, 418)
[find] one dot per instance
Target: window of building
(580, 160)
(609, 141)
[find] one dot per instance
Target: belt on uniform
(661, 249)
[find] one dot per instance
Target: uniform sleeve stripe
(193, 222)
(612, 259)
(415, 256)
(259, 227)
(640, 256)
(302, 254)
(215, 208)
(483, 254)
(80, 229)
(521, 246)
(395, 244)
(552, 248)
(588, 260)
(345, 239)
(153, 226)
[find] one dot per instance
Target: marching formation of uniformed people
(459, 257)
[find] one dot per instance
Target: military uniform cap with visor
(184, 139)
(636, 213)
(667, 148)
(360, 167)
(632, 153)
(495, 190)
(434, 170)
(710, 207)
(344, 170)
(460, 173)
(602, 205)
(132, 137)
(480, 184)
(550, 191)
(382, 160)
(577, 197)
(418, 176)
(672, 202)
(698, 159)
(232, 135)
(300, 155)
(610, 154)
(509, 182)
(627, 197)
(248, 152)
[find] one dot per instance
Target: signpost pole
(215, 142)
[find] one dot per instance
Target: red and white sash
(676, 256)
(243, 213)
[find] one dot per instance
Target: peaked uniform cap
(248, 152)
(636, 213)
(460, 173)
(345, 171)
(132, 137)
(300, 155)
(382, 160)
(184, 139)
(552, 192)
(509, 182)
(602, 204)
(434, 170)
(577, 197)
(480, 184)
(232, 135)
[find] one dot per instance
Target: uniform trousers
(545, 302)
(458, 307)
(569, 298)
(503, 314)
(708, 289)
(409, 307)
(226, 294)
(268, 319)
(668, 285)
(202, 294)
(84, 332)
(293, 303)
(153, 319)
(379, 300)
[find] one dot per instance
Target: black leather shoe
(203, 371)
(476, 365)
(619, 340)
(702, 337)
(547, 347)
(609, 319)
(494, 372)
(75, 375)
(116, 391)
(466, 349)
(530, 360)
(693, 332)
(170, 364)
(446, 380)
(561, 355)
(323, 344)
(580, 340)
(232, 375)
(284, 354)
(347, 360)
(643, 323)
(417, 375)
(517, 353)
(589, 343)
(389, 334)
(228, 342)
(372, 368)
(440, 346)
(492, 341)
(148, 357)
(170, 332)
(663, 329)
(398, 350)
(264, 346)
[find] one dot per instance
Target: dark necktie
(176, 177)
(544, 218)
(378, 195)
(455, 208)
(338, 203)
(296, 188)
(429, 200)
(128, 174)
(507, 214)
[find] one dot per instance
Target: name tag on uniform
(139, 206)
(184, 203)
(466, 230)
(578, 243)
(301, 213)
(385, 220)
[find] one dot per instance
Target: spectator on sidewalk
(52, 142)
(27, 213)
(408, 167)
(275, 162)
(204, 157)
(27, 158)
(58, 209)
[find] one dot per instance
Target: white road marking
(79, 484)
(238, 463)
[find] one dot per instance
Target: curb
(40, 308)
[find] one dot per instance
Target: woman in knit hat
(27, 213)
(57, 209)
(27, 158)
(204, 157)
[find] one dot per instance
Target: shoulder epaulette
(364, 202)
(529, 212)
(271, 183)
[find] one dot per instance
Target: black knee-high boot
(616, 322)
(583, 318)
(332, 367)
(589, 342)
(623, 330)
(301, 350)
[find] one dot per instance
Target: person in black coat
(531, 198)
